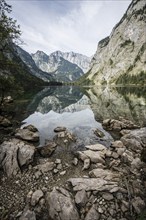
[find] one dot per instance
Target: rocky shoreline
(91, 184)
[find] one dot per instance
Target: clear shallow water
(77, 110)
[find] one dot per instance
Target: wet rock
(86, 164)
(81, 198)
(36, 196)
(28, 133)
(14, 154)
(59, 129)
(61, 206)
(48, 149)
(59, 166)
(138, 204)
(92, 214)
(96, 147)
(28, 215)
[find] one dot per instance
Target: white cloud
(66, 26)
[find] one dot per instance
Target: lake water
(81, 111)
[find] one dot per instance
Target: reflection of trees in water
(138, 91)
(113, 102)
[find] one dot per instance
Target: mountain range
(64, 66)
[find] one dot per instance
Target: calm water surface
(83, 110)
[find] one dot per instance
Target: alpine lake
(81, 110)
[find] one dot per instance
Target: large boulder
(61, 206)
(28, 133)
(14, 154)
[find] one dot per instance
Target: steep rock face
(65, 66)
(27, 59)
(121, 57)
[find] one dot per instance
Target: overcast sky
(66, 25)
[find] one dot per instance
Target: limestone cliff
(121, 57)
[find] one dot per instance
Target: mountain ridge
(120, 57)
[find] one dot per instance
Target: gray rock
(28, 215)
(28, 133)
(107, 196)
(92, 214)
(36, 196)
(117, 144)
(25, 153)
(105, 174)
(92, 184)
(59, 166)
(94, 156)
(118, 125)
(46, 167)
(75, 161)
(96, 147)
(4, 122)
(48, 149)
(81, 198)
(61, 206)
(14, 154)
(58, 161)
(138, 204)
(31, 128)
(63, 173)
(86, 164)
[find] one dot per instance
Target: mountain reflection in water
(77, 109)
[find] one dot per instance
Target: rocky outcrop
(120, 58)
(14, 154)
